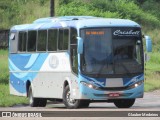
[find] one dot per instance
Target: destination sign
(94, 32)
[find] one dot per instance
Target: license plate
(114, 95)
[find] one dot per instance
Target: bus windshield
(111, 51)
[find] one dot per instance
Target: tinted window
(42, 37)
(32, 40)
(60, 42)
(52, 40)
(63, 39)
(73, 51)
(22, 41)
(73, 36)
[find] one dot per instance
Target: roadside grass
(4, 74)
(152, 79)
(9, 100)
(5, 98)
(152, 72)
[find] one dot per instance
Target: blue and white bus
(79, 60)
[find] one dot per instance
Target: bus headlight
(136, 84)
(89, 85)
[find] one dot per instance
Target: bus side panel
(47, 73)
(50, 80)
(24, 67)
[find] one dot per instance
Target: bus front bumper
(95, 94)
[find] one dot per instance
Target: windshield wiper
(128, 72)
(106, 63)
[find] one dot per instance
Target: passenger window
(42, 37)
(60, 42)
(22, 41)
(52, 39)
(73, 36)
(32, 35)
(63, 39)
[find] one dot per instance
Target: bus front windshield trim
(104, 55)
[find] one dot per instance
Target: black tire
(42, 102)
(124, 103)
(69, 103)
(35, 102)
(85, 104)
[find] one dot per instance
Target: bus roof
(74, 21)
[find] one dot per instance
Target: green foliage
(145, 12)
(110, 8)
(9, 100)
(150, 6)
(4, 72)
(154, 34)
(154, 62)
(32, 11)
(21, 11)
(80, 8)
(8, 10)
(152, 73)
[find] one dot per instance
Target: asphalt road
(150, 103)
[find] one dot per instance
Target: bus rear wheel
(35, 102)
(42, 102)
(124, 103)
(68, 101)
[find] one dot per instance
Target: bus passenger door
(73, 51)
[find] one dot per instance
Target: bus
(78, 60)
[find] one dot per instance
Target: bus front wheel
(68, 101)
(85, 103)
(124, 103)
(35, 102)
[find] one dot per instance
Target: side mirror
(148, 44)
(80, 45)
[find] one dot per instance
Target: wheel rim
(70, 101)
(30, 98)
